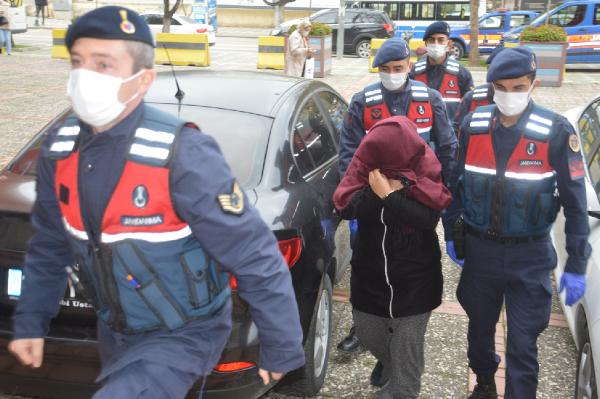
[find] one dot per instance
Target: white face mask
(436, 51)
(95, 96)
(510, 103)
(304, 33)
(393, 81)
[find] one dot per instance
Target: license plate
(13, 288)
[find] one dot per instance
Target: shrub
(318, 29)
(543, 33)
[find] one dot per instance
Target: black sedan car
(280, 136)
(360, 26)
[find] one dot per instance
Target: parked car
(491, 27)
(280, 137)
(583, 318)
(360, 26)
(581, 21)
(180, 24)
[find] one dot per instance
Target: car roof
(252, 92)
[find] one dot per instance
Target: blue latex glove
(452, 254)
(353, 231)
(575, 285)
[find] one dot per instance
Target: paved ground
(33, 88)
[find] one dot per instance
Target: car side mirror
(594, 214)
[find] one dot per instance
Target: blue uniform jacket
(571, 192)
(446, 144)
(243, 245)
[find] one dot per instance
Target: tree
(169, 12)
(474, 38)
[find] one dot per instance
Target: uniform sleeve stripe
(484, 90)
(541, 120)
(479, 95)
(153, 135)
(482, 114)
(418, 88)
(82, 235)
(145, 151)
(419, 69)
(451, 100)
(451, 69)
(374, 98)
(420, 95)
(372, 92)
(62, 146)
(537, 128)
(68, 131)
(479, 123)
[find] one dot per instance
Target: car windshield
(187, 19)
(244, 150)
(539, 19)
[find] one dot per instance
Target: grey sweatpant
(399, 344)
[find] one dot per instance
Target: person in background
(298, 49)
(5, 36)
(439, 70)
(40, 6)
(394, 188)
(518, 164)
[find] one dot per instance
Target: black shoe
(350, 343)
(485, 389)
(377, 379)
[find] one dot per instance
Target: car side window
(368, 19)
(327, 18)
(312, 144)
(154, 20)
(594, 168)
(597, 14)
(518, 20)
(493, 22)
(589, 129)
(175, 22)
(337, 110)
(568, 16)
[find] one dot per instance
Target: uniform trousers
(399, 345)
(517, 275)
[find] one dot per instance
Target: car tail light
(233, 367)
(388, 27)
(290, 249)
(201, 30)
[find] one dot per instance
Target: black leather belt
(492, 236)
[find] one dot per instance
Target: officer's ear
(146, 80)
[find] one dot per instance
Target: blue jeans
(5, 38)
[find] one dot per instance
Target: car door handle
(582, 30)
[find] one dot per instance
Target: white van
(15, 11)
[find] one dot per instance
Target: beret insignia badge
(126, 26)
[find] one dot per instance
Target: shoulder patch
(574, 143)
(232, 202)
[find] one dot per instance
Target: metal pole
(340, 32)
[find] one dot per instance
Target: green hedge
(318, 29)
(543, 33)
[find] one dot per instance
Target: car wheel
(585, 385)
(363, 48)
(457, 50)
(308, 380)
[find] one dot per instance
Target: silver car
(584, 317)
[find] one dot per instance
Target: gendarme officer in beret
(519, 163)
(144, 204)
(440, 71)
(396, 94)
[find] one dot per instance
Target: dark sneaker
(485, 389)
(377, 378)
(350, 343)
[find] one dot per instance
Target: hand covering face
(394, 146)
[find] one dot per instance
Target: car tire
(308, 380)
(457, 50)
(363, 48)
(585, 383)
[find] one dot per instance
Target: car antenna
(180, 93)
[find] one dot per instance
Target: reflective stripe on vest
(449, 88)
(480, 97)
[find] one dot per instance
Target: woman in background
(298, 50)
(394, 188)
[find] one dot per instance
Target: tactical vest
(480, 97)
(146, 270)
(419, 108)
(522, 202)
(449, 88)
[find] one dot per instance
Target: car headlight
(275, 32)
